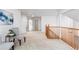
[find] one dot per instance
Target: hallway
(38, 41)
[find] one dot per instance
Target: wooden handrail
(64, 27)
(50, 34)
(66, 39)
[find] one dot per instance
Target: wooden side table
(20, 39)
(24, 39)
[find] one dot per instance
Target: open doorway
(36, 23)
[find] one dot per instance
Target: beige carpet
(38, 41)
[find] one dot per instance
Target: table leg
(13, 47)
(9, 39)
(19, 42)
(13, 39)
(24, 39)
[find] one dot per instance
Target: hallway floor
(38, 41)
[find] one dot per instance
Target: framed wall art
(6, 18)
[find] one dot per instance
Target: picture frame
(6, 18)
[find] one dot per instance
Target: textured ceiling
(41, 12)
(72, 13)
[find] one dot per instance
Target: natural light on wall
(30, 25)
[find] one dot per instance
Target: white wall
(59, 20)
(23, 24)
(66, 21)
(17, 21)
(52, 20)
(76, 24)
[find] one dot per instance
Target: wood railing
(50, 34)
(68, 35)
